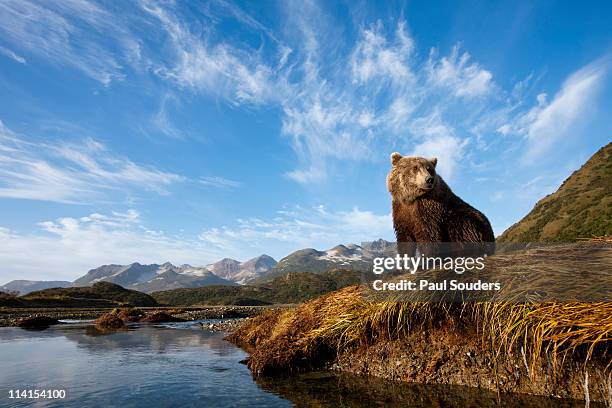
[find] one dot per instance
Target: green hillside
(101, 294)
(580, 208)
(293, 287)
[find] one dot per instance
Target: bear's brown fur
(425, 210)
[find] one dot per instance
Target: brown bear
(426, 211)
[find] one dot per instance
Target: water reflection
(141, 366)
(181, 365)
(346, 390)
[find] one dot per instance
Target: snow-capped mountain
(242, 272)
(225, 268)
(254, 268)
(151, 278)
(351, 256)
(155, 277)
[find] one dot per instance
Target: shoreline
(340, 332)
(10, 316)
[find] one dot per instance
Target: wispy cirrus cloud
(77, 33)
(297, 228)
(374, 57)
(71, 172)
(161, 119)
(458, 75)
(68, 247)
(389, 101)
(220, 182)
(12, 55)
(549, 121)
(339, 97)
(237, 75)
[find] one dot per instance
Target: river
(179, 364)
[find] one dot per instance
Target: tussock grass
(110, 320)
(514, 324)
(545, 327)
(129, 314)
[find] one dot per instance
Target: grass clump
(555, 327)
(129, 314)
(110, 320)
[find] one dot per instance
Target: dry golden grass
(129, 314)
(552, 327)
(109, 320)
(311, 334)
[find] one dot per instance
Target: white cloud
(337, 101)
(237, 75)
(437, 139)
(161, 120)
(548, 122)
(216, 181)
(381, 106)
(300, 228)
(71, 172)
(373, 57)
(68, 247)
(334, 105)
(456, 73)
(12, 55)
(69, 33)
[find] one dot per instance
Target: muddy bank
(10, 317)
(450, 356)
(339, 389)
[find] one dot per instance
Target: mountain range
(155, 277)
(227, 271)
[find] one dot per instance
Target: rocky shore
(233, 314)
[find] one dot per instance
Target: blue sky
(189, 131)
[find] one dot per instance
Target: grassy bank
(541, 347)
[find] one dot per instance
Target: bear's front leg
(429, 242)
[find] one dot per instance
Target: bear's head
(411, 177)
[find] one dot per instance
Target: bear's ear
(395, 157)
(434, 161)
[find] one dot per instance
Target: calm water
(176, 365)
(180, 365)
